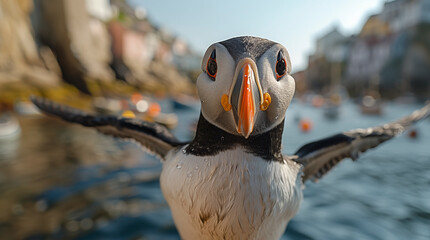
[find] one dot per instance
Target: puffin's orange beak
(246, 97)
(246, 105)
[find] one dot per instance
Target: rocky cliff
(20, 60)
(45, 42)
(64, 26)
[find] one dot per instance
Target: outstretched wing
(153, 137)
(320, 156)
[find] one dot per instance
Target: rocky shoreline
(58, 49)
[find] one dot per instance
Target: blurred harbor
(105, 48)
(63, 181)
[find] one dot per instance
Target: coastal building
(325, 65)
(331, 46)
(403, 14)
(144, 53)
(369, 52)
(390, 54)
(100, 9)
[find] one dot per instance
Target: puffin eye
(281, 65)
(211, 66)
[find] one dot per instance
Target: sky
(294, 24)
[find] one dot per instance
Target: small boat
(25, 108)
(332, 106)
(183, 102)
(170, 120)
(371, 103)
(9, 127)
(107, 105)
(331, 111)
(371, 106)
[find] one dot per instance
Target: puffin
(232, 180)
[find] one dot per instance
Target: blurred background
(356, 63)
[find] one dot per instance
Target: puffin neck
(210, 140)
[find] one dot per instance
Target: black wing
(320, 156)
(153, 137)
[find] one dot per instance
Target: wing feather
(320, 156)
(152, 136)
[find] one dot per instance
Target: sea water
(60, 180)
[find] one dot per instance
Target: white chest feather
(233, 195)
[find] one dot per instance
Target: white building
(402, 14)
(100, 9)
(331, 46)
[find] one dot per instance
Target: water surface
(64, 181)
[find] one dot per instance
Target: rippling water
(59, 181)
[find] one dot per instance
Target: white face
(244, 85)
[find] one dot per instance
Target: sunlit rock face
(80, 43)
(19, 57)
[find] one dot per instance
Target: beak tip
(244, 132)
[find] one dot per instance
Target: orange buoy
(305, 125)
(413, 133)
(136, 97)
(154, 109)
